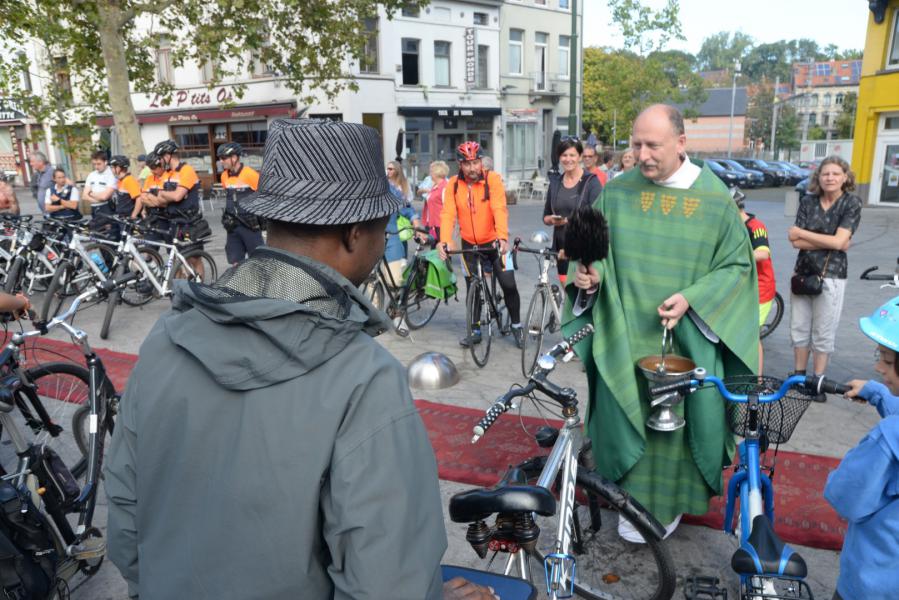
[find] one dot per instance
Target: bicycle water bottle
(101, 264)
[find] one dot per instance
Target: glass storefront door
(889, 185)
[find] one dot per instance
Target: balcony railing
(544, 83)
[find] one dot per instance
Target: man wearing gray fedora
(266, 446)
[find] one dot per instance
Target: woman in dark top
(575, 187)
(825, 222)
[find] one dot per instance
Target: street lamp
(733, 99)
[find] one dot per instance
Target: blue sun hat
(883, 325)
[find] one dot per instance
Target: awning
(211, 115)
(448, 111)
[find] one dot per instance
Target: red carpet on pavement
(802, 516)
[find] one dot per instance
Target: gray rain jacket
(268, 448)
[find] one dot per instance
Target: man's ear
(351, 237)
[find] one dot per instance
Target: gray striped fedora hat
(321, 172)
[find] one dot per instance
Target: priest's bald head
(659, 142)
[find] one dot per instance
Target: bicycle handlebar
(698, 379)
(537, 381)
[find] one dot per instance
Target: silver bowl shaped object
(432, 371)
(663, 417)
(540, 237)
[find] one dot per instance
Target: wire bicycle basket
(777, 420)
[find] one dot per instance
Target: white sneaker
(629, 533)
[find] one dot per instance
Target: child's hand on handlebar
(856, 386)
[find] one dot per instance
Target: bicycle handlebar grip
(487, 420)
(831, 387)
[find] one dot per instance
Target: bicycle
(774, 317)
(58, 472)
(545, 311)
(585, 498)
(893, 280)
(407, 302)
(154, 275)
(484, 306)
(763, 411)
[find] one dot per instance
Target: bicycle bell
(540, 237)
(432, 371)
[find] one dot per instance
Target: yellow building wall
(878, 92)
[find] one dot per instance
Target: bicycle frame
(163, 288)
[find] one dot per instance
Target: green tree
(618, 84)
(766, 62)
(844, 124)
(109, 56)
(815, 133)
(646, 30)
(761, 112)
(719, 51)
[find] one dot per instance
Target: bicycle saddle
(766, 554)
(509, 495)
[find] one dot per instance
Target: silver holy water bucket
(665, 368)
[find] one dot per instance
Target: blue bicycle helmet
(883, 325)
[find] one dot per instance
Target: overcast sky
(840, 22)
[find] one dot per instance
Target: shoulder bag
(809, 285)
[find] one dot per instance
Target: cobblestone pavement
(828, 429)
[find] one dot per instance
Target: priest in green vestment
(679, 254)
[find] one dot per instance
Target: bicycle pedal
(88, 549)
(703, 588)
(559, 568)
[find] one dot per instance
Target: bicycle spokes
(560, 571)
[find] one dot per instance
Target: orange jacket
(481, 220)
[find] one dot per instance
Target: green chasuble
(664, 241)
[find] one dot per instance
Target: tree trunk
(118, 85)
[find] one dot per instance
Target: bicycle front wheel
(535, 326)
(774, 317)
(478, 323)
(111, 302)
(142, 291)
(608, 567)
(418, 307)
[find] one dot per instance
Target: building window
(893, 57)
(260, 67)
(26, 75)
(826, 99)
(564, 4)
(483, 66)
(442, 14)
(442, 63)
(813, 100)
(516, 39)
(61, 75)
(411, 11)
(826, 120)
(822, 69)
(812, 119)
(208, 70)
(564, 55)
(369, 62)
(540, 60)
(164, 73)
(410, 61)
(540, 2)
(481, 18)
(839, 99)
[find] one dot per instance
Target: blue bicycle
(763, 411)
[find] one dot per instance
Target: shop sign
(9, 111)
(455, 112)
(184, 98)
(470, 56)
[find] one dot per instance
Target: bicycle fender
(625, 503)
(735, 481)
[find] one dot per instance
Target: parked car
(811, 165)
(802, 187)
(756, 179)
(730, 177)
(775, 175)
(794, 174)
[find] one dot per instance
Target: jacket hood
(272, 318)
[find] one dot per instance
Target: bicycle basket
(777, 420)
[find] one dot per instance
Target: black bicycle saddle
(767, 554)
(509, 495)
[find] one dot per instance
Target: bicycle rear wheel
(142, 291)
(774, 317)
(111, 302)
(535, 325)
(608, 567)
(478, 322)
(203, 265)
(373, 289)
(418, 307)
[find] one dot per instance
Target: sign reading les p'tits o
(182, 98)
